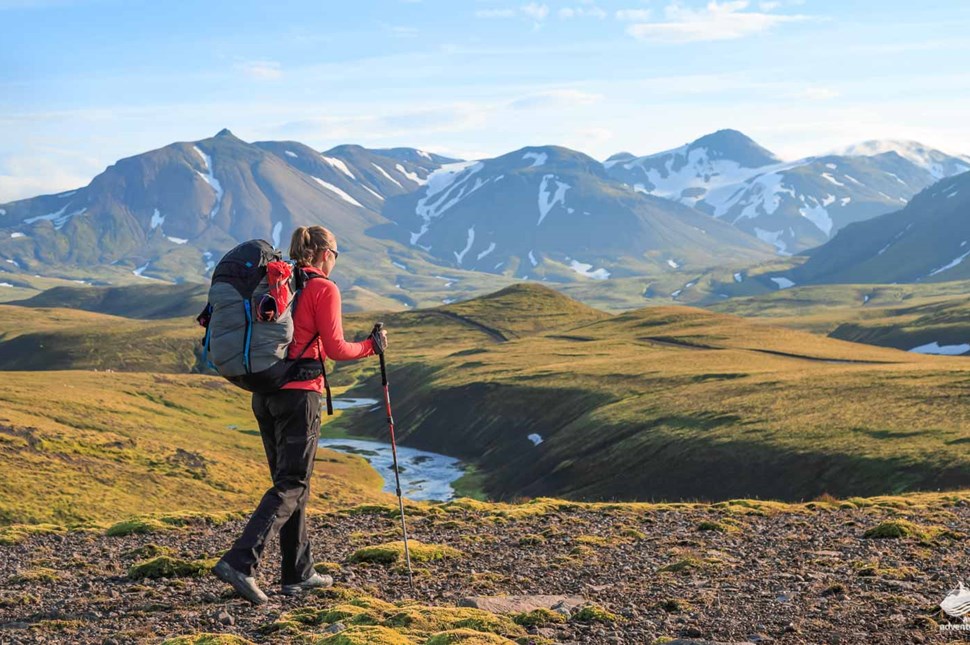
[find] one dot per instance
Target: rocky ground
(734, 572)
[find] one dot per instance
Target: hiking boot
(244, 585)
(316, 581)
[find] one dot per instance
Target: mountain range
(424, 229)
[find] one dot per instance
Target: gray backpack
(249, 320)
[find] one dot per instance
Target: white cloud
(582, 12)
(536, 11)
(815, 94)
(555, 98)
(631, 15)
(495, 13)
(726, 20)
(52, 171)
(262, 70)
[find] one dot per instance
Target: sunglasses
(336, 254)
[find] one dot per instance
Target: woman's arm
(330, 325)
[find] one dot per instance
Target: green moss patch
(900, 528)
(467, 637)
(207, 639)
(372, 635)
(165, 566)
(37, 574)
(593, 614)
(393, 552)
(538, 617)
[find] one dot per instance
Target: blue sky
(85, 82)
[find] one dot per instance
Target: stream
(424, 475)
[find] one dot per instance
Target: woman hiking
(289, 423)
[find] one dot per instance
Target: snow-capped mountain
(548, 211)
(792, 205)
(927, 240)
(172, 212)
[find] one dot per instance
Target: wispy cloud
(262, 70)
(727, 20)
(591, 11)
(815, 94)
(533, 11)
(555, 98)
(633, 14)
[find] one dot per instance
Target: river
(424, 475)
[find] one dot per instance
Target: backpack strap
(303, 278)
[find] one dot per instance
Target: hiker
(289, 423)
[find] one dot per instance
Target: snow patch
(339, 165)
(936, 348)
(584, 269)
(538, 158)
(157, 219)
(535, 439)
(290, 153)
(738, 277)
(339, 193)
(410, 175)
(374, 193)
(491, 247)
(59, 218)
(952, 264)
(468, 245)
(532, 259)
(140, 270)
(177, 240)
(783, 283)
(210, 179)
(545, 201)
(773, 238)
(387, 176)
(17, 234)
(818, 216)
(6, 284)
(277, 229)
(444, 188)
(672, 264)
(832, 179)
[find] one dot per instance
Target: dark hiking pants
(289, 423)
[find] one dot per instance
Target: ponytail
(308, 242)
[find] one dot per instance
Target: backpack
(248, 321)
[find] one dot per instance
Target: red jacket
(318, 312)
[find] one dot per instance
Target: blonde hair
(308, 242)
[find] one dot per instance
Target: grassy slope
(82, 446)
(900, 316)
(661, 402)
(628, 408)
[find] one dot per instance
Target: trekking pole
(397, 473)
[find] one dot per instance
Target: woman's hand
(379, 338)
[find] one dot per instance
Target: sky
(86, 82)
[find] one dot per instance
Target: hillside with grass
(672, 403)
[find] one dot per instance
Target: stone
(335, 628)
(518, 604)
(225, 618)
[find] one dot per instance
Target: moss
(327, 568)
(537, 617)
(58, 625)
(136, 526)
(531, 540)
(593, 614)
(207, 639)
(37, 574)
(721, 527)
(685, 565)
(630, 532)
(873, 569)
(148, 551)
(596, 540)
(18, 600)
(467, 637)
(165, 566)
(392, 552)
(10, 535)
(900, 528)
(435, 619)
(369, 635)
